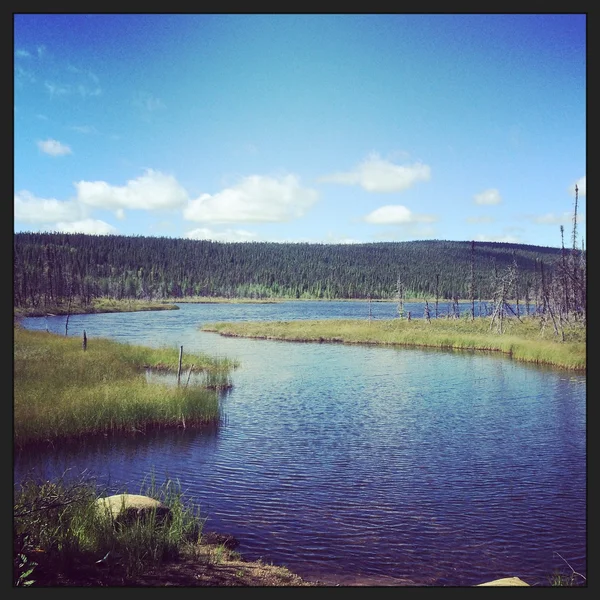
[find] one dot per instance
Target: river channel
(355, 464)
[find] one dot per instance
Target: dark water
(362, 464)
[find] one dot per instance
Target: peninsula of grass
(523, 340)
(97, 305)
(62, 391)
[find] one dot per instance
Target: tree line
(54, 268)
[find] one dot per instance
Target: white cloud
(482, 219)
(396, 214)
(566, 218)
(581, 187)
(229, 235)
(338, 239)
(89, 226)
(22, 54)
(152, 191)
(30, 209)
(491, 196)
(53, 148)
(508, 239)
(255, 199)
(378, 175)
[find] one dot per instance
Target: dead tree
(504, 285)
(400, 296)
(472, 286)
(427, 315)
(437, 282)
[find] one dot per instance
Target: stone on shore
(505, 581)
(128, 508)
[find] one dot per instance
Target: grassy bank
(60, 391)
(60, 538)
(522, 340)
(223, 300)
(97, 305)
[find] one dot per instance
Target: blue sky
(336, 128)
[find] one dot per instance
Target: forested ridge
(53, 267)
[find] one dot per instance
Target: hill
(51, 267)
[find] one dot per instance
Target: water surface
(350, 463)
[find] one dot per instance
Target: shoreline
(109, 305)
(523, 345)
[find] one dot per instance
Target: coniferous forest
(51, 268)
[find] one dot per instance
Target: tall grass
(59, 528)
(522, 340)
(60, 391)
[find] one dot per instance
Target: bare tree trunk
(179, 367)
(473, 280)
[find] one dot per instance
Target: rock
(505, 581)
(128, 508)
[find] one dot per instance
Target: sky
(319, 128)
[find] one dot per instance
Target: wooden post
(84, 341)
(188, 378)
(179, 368)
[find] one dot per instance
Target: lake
(361, 464)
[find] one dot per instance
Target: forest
(53, 268)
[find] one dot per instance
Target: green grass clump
(58, 528)
(60, 391)
(523, 340)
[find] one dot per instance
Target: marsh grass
(522, 340)
(224, 300)
(60, 391)
(57, 527)
(97, 305)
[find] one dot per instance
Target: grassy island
(62, 391)
(523, 339)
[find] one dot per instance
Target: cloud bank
(89, 226)
(151, 191)
(396, 215)
(256, 199)
(378, 175)
(31, 209)
(229, 235)
(54, 148)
